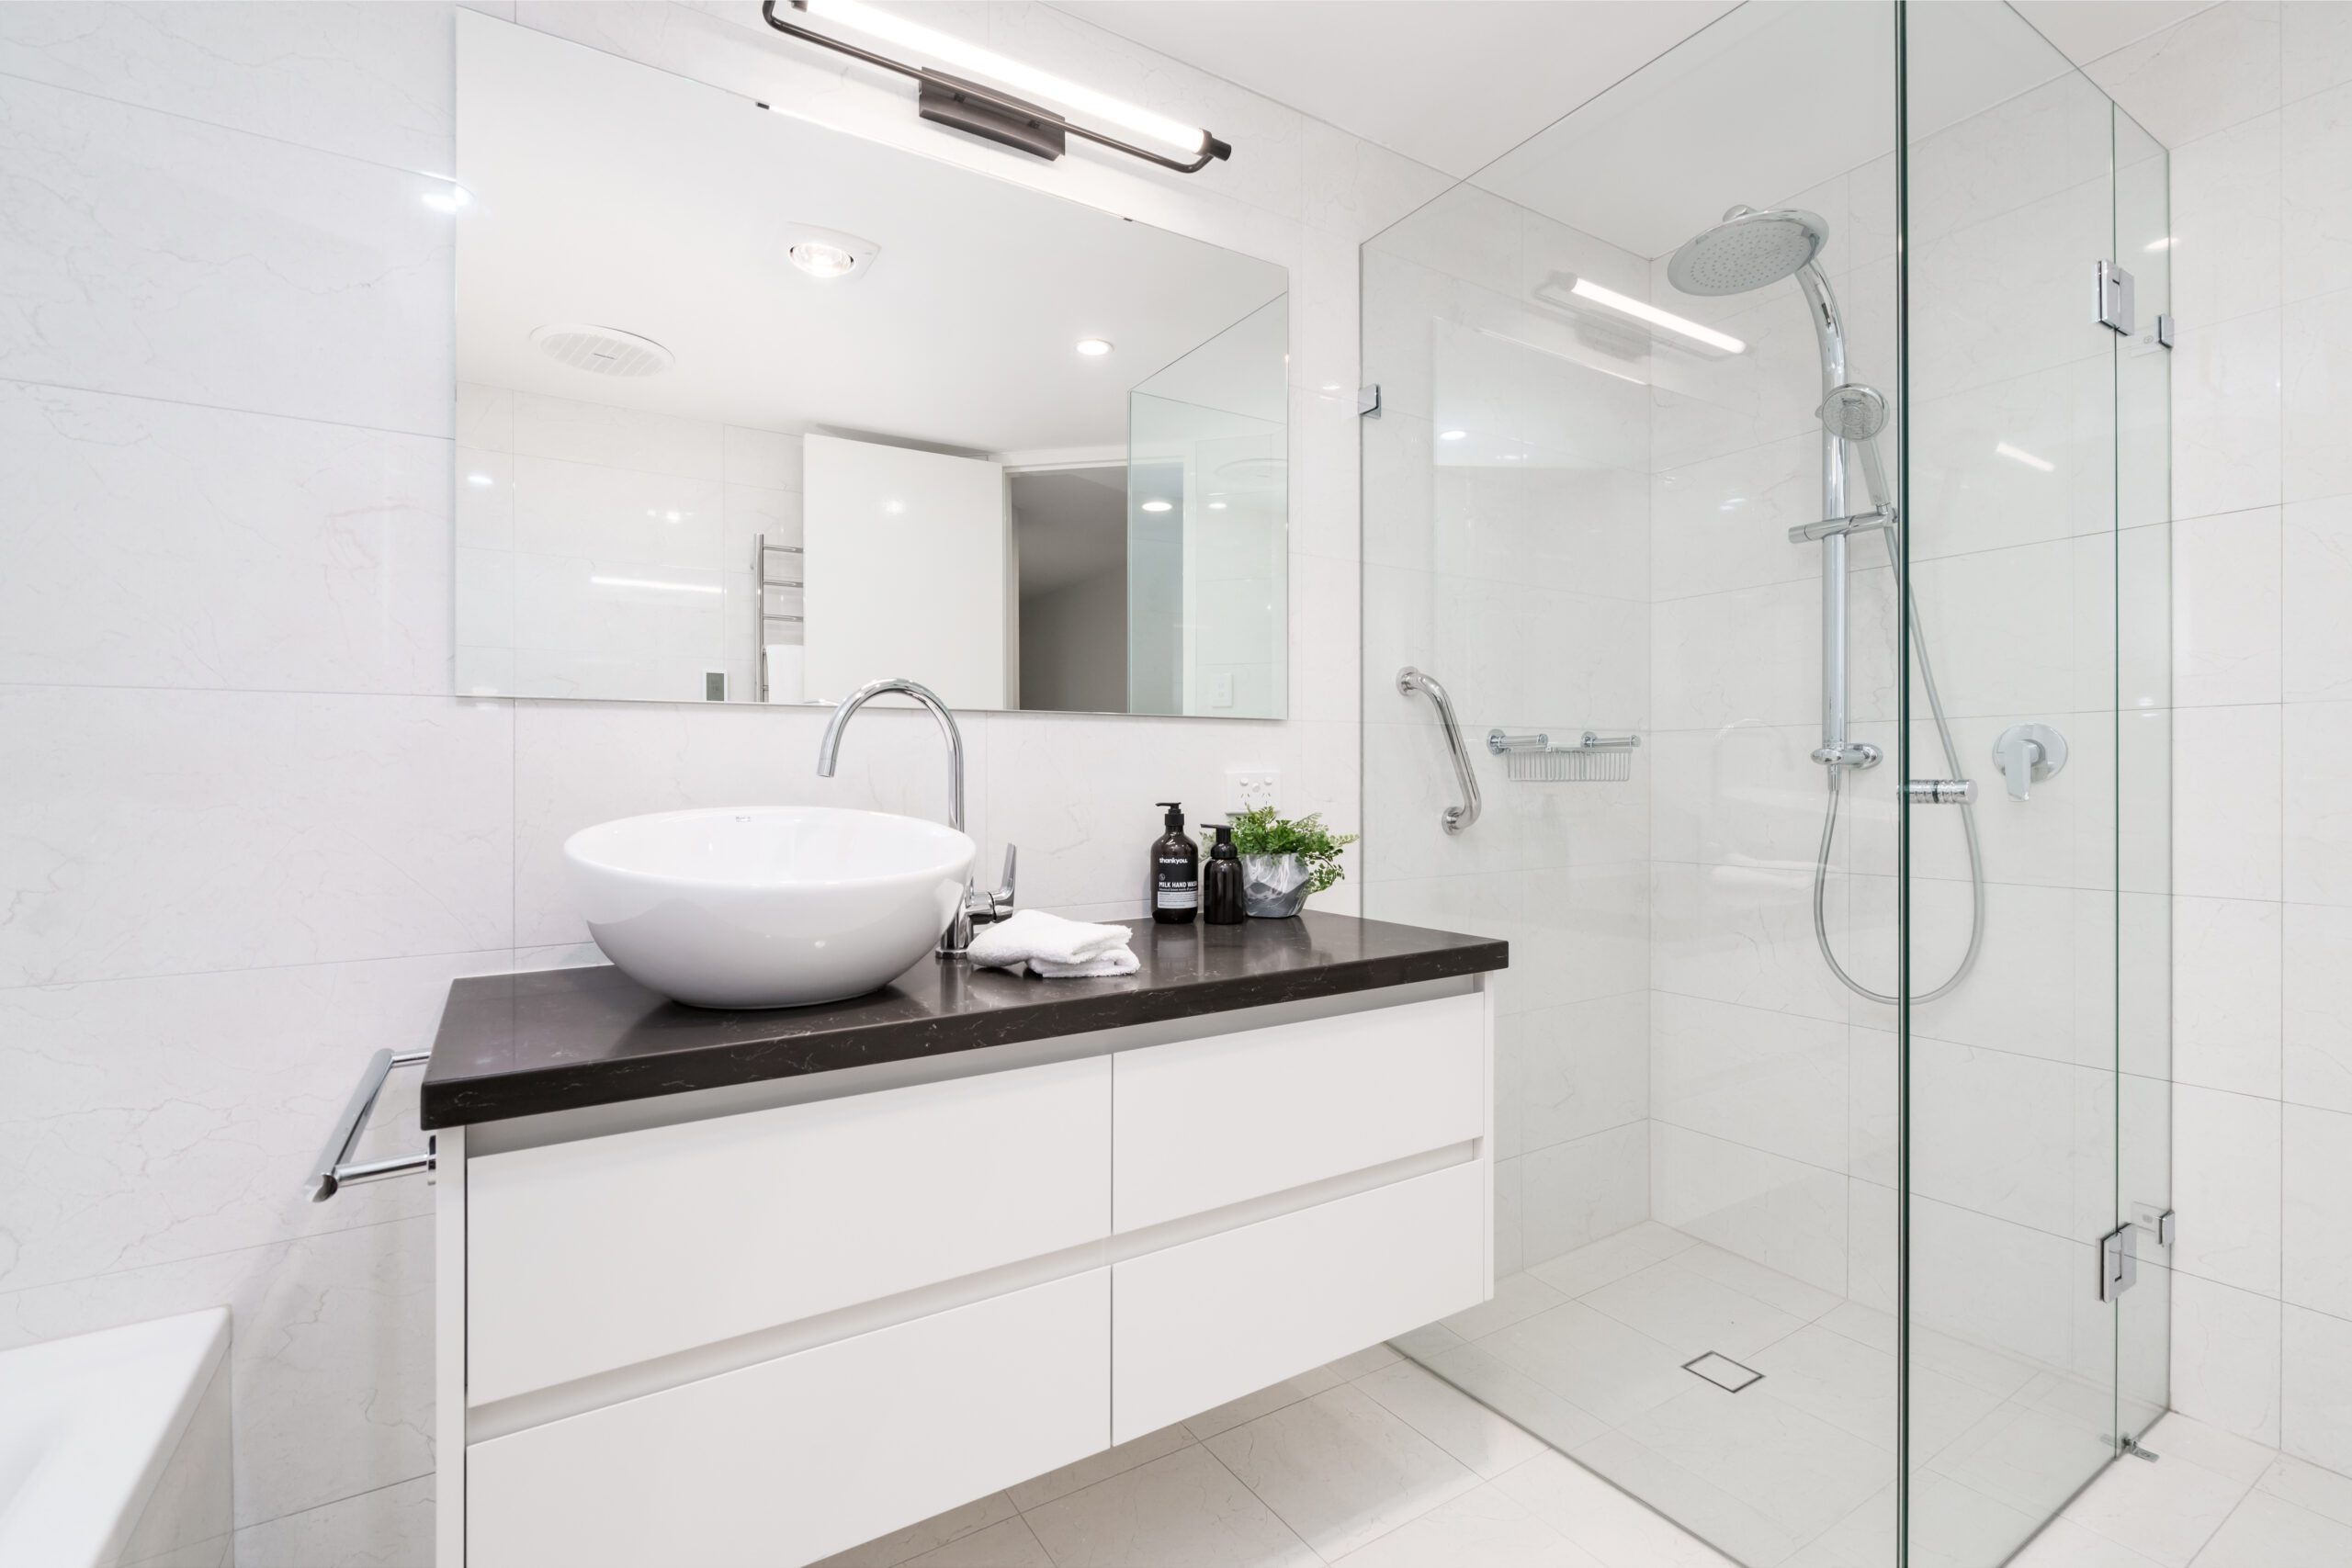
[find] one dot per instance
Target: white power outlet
(1248, 789)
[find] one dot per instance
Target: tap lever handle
(996, 903)
(2027, 752)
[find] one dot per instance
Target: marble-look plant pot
(1273, 886)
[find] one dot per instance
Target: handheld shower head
(1747, 250)
(1853, 412)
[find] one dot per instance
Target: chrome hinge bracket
(1368, 400)
(2132, 1446)
(2114, 300)
(2118, 1264)
(2165, 332)
(2156, 1222)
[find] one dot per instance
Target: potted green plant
(1284, 860)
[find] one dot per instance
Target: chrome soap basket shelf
(1591, 758)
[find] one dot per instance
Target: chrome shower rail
(1409, 682)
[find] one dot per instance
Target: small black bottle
(1175, 872)
(1221, 900)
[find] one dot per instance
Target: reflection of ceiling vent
(602, 351)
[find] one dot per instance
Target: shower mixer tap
(2029, 754)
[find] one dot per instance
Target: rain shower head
(1747, 250)
(1853, 412)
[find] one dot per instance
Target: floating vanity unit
(730, 1287)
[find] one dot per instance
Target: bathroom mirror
(752, 409)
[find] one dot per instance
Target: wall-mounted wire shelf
(1591, 758)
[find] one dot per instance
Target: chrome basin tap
(977, 905)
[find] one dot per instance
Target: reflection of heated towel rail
(762, 617)
(1410, 681)
(1534, 758)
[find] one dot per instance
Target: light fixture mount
(993, 112)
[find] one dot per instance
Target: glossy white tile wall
(2255, 99)
(250, 831)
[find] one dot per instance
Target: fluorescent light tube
(649, 582)
(945, 49)
(1609, 300)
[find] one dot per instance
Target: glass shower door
(2034, 480)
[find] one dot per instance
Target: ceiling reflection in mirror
(755, 411)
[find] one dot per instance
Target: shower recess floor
(1592, 1351)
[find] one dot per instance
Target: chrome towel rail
(335, 1169)
(1410, 681)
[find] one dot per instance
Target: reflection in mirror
(751, 411)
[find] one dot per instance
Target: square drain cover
(1722, 1371)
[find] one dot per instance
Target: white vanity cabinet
(760, 1325)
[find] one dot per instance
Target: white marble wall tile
(2016, 461)
(332, 1368)
(1743, 936)
(391, 1527)
(1774, 1081)
(2225, 1185)
(1576, 1192)
(148, 1121)
(2316, 579)
(2316, 1008)
(159, 832)
(152, 256)
(1723, 523)
(1354, 189)
(2315, 391)
(2051, 138)
(2316, 1236)
(2225, 1357)
(174, 546)
(1999, 1286)
(2210, 72)
(2316, 1368)
(1781, 1212)
(2318, 812)
(2316, 141)
(2227, 609)
(370, 81)
(2017, 1138)
(2226, 197)
(570, 431)
(2225, 415)
(2315, 47)
(1584, 1068)
(2225, 994)
(2226, 786)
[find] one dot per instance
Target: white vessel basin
(767, 907)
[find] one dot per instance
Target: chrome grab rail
(1410, 681)
(335, 1169)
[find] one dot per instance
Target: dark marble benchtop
(562, 1039)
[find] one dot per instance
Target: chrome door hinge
(1368, 400)
(2164, 332)
(2156, 1222)
(2114, 304)
(2118, 1264)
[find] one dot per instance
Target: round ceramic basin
(767, 907)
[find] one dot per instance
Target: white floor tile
(1127, 1456)
(1265, 1402)
(1501, 1386)
(1517, 1297)
(1485, 1529)
(1595, 1362)
(1186, 1508)
(2224, 1453)
(899, 1546)
(2063, 1543)
(1452, 1419)
(2270, 1532)
(1692, 1313)
(1603, 1520)
(1340, 1469)
(1010, 1544)
(2166, 1511)
(1610, 1259)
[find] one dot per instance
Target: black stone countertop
(561, 1039)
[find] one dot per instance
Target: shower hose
(1967, 817)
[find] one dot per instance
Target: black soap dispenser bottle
(1175, 872)
(1221, 902)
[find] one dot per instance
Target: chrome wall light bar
(991, 112)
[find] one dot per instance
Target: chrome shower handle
(1409, 682)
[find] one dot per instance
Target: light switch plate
(1247, 789)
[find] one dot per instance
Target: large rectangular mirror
(755, 411)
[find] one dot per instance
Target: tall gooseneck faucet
(989, 906)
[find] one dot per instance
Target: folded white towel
(1117, 961)
(1034, 937)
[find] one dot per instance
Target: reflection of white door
(908, 571)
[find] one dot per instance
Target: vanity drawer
(1211, 1320)
(601, 1253)
(796, 1458)
(1206, 1122)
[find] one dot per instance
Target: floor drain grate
(1722, 1371)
